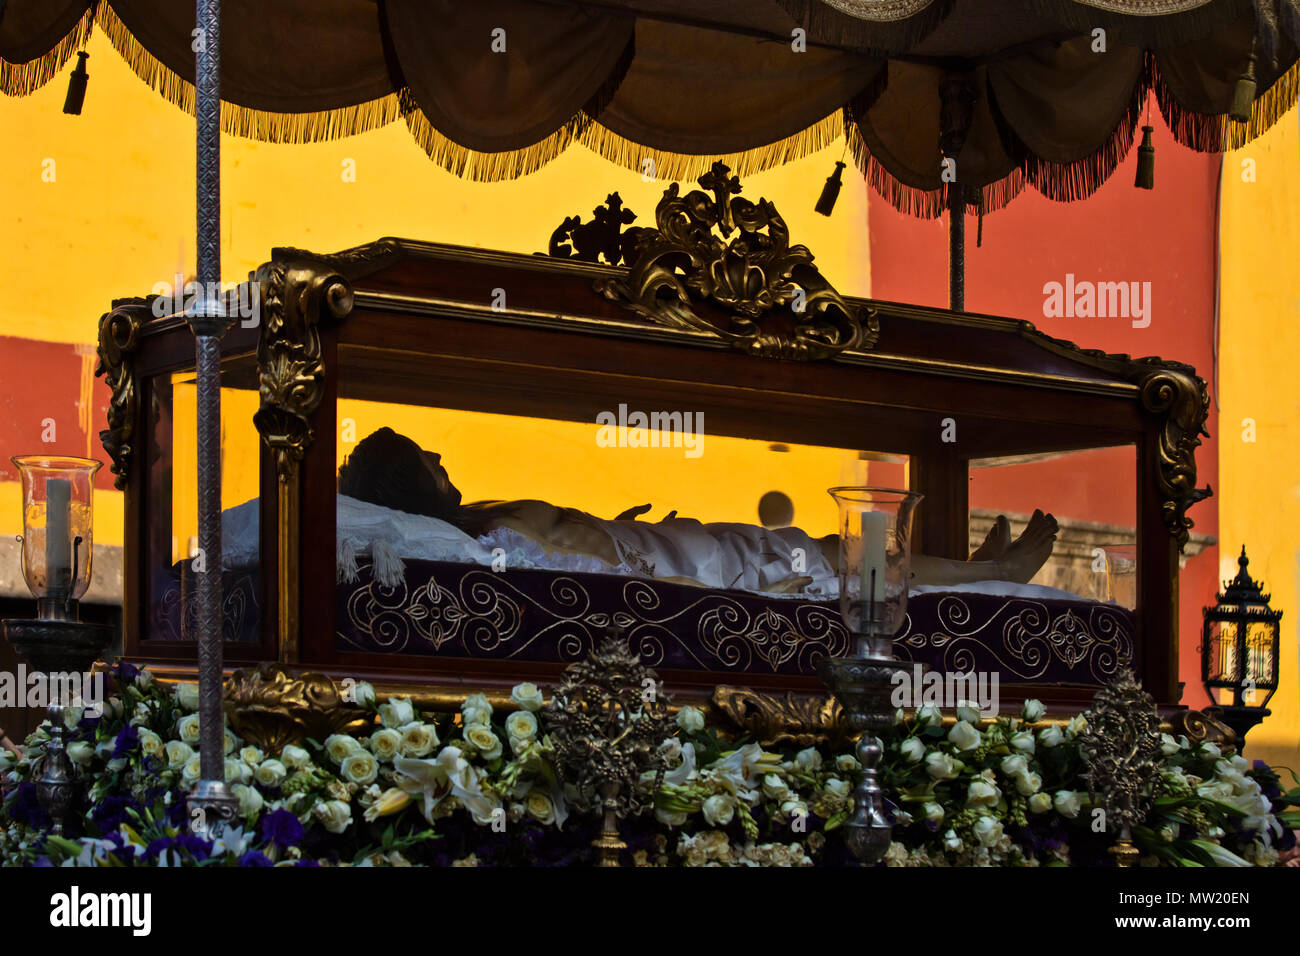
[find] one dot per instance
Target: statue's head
(389, 469)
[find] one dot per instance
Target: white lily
(430, 778)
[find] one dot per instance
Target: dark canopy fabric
(496, 88)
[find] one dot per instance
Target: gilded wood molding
(119, 338)
(269, 707)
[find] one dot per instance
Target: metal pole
(956, 248)
(212, 804)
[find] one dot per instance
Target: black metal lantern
(1240, 642)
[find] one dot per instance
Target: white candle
(874, 524)
(58, 536)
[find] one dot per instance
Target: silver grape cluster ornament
(607, 721)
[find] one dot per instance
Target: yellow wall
(1259, 503)
(118, 217)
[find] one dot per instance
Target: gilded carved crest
(715, 246)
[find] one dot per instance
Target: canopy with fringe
(495, 89)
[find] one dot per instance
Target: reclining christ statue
(391, 470)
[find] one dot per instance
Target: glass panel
(602, 470)
(1093, 498)
(173, 521)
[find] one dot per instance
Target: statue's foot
(995, 542)
(1030, 551)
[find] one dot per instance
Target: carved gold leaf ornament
(270, 707)
(779, 304)
(119, 337)
(798, 720)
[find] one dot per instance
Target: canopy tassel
(1146, 171)
(831, 191)
(77, 85)
(1243, 94)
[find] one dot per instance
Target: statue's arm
(558, 529)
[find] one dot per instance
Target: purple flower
(128, 741)
(282, 827)
(254, 858)
(307, 863)
(195, 846)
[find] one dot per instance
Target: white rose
(396, 713)
(808, 760)
(940, 766)
(913, 748)
(252, 756)
(1040, 802)
(521, 724)
(192, 770)
(234, 770)
(673, 818)
(719, 809)
(385, 743)
(476, 710)
(150, 743)
(363, 695)
(929, 714)
(1077, 725)
(987, 830)
(774, 788)
(1211, 750)
(690, 719)
(250, 801)
(80, 752)
(837, 787)
(481, 737)
(1023, 741)
(334, 814)
(187, 696)
(418, 740)
(847, 763)
(1028, 784)
(981, 794)
(540, 807)
(963, 736)
(951, 841)
(1033, 711)
(1067, 803)
(177, 753)
(341, 746)
(1015, 765)
(527, 697)
(271, 773)
(968, 711)
(933, 811)
(145, 679)
(187, 728)
(230, 743)
(360, 768)
(1050, 736)
(295, 758)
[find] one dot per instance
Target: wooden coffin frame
(549, 336)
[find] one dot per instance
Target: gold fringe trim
(243, 121)
(1214, 133)
(684, 167)
(23, 79)
(482, 167)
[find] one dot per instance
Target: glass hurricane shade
(58, 498)
(874, 561)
